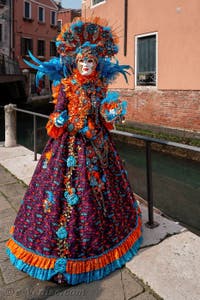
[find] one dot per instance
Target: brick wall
(174, 109)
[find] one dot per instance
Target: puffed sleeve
(59, 99)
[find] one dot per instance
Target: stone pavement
(167, 264)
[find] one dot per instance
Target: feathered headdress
(94, 34)
(82, 36)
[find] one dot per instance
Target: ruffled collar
(80, 79)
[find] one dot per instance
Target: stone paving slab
(111, 287)
(10, 273)
(166, 228)
(7, 213)
(3, 202)
(29, 289)
(14, 152)
(20, 160)
(5, 229)
(3, 255)
(144, 296)
(6, 221)
(13, 189)
(6, 176)
(15, 202)
(117, 286)
(131, 287)
(172, 267)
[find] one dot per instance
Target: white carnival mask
(86, 65)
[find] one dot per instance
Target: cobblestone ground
(14, 284)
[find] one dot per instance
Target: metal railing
(35, 115)
(147, 140)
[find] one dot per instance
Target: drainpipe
(125, 25)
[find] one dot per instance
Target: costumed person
(79, 220)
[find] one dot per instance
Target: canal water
(176, 181)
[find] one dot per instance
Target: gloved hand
(61, 119)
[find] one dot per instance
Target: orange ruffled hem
(80, 265)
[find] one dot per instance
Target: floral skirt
(78, 220)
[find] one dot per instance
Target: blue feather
(110, 70)
(55, 68)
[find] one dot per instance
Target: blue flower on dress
(60, 265)
(66, 194)
(50, 197)
(71, 161)
(72, 199)
(93, 181)
(62, 233)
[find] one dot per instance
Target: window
(146, 60)
(59, 25)
(27, 10)
(53, 18)
(41, 48)
(41, 14)
(95, 2)
(53, 51)
(26, 44)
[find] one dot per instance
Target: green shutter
(146, 60)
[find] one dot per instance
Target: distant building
(30, 25)
(66, 15)
(160, 40)
(34, 29)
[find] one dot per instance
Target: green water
(176, 183)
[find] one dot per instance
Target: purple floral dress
(78, 220)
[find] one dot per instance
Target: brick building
(66, 15)
(34, 29)
(161, 41)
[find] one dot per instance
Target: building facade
(5, 27)
(34, 29)
(161, 41)
(66, 15)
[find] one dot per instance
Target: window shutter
(146, 60)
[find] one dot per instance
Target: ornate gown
(78, 218)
